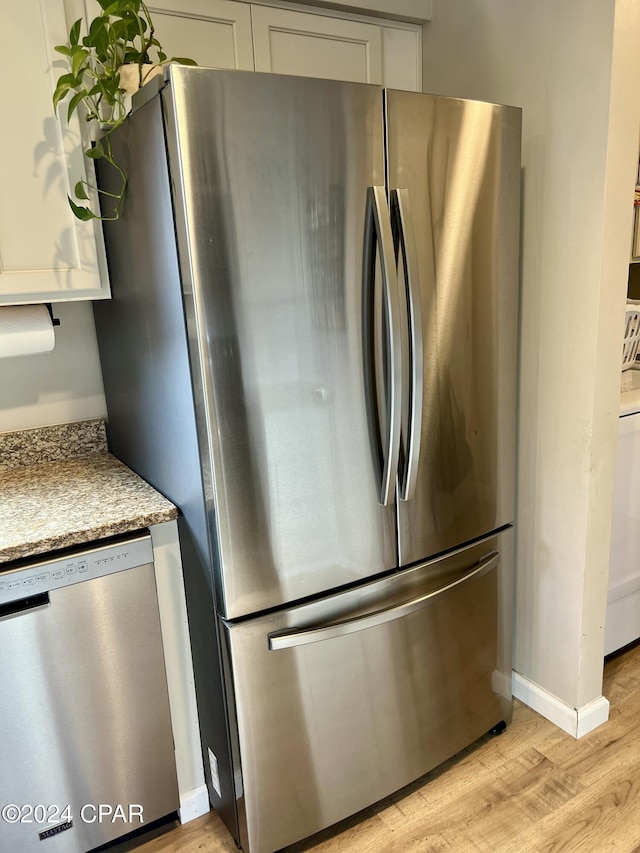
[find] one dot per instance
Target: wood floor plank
(538, 789)
(621, 675)
(604, 817)
(611, 747)
(206, 834)
(362, 833)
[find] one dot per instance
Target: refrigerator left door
(272, 178)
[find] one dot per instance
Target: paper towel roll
(25, 330)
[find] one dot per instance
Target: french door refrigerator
(311, 349)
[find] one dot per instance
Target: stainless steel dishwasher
(86, 749)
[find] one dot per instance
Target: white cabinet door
(215, 33)
(46, 254)
(286, 42)
(402, 58)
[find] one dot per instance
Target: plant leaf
(95, 152)
(62, 89)
(110, 7)
(80, 191)
(74, 35)
(122, 8)
(73, 103)
(98, 38)
(66, 79)
(183, 60)
(80, 56)
(64, 49)
(82, 213)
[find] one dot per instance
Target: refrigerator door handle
(378, 231)
(402, 211)
(303, 636)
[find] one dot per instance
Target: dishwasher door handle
(302, 636)
(24, 605)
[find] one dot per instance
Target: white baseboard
(193, 804)
(575, 721)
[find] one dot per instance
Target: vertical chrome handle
(378, 225)
(407, 485)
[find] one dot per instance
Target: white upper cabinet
(253, 37)
(286, 42)
(418, 11)
(402, 58)
(215, 33)
(46, 254)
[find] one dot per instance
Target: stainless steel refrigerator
(311, 349)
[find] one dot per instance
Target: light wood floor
(533, 788)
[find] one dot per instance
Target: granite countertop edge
(41, 547)
(63, 502)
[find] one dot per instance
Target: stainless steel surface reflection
(274, 193)
(350, 718)
(84, 706)
(338, 430)
(459, 163)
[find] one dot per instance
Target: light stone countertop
(78, 494)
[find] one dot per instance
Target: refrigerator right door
(454, 188)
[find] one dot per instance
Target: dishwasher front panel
(343, 701)
(87, 747)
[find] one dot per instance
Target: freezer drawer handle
(24, 605)
(412, 393)
(302, 636)
(378, 232)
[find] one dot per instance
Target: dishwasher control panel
(43, 575)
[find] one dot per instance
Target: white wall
(555, 61)
(622, 161)
(58, 387)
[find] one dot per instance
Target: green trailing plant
(123, 34)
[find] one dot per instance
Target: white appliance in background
(623, 600)
(311, 349)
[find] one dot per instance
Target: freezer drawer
(343, 701)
